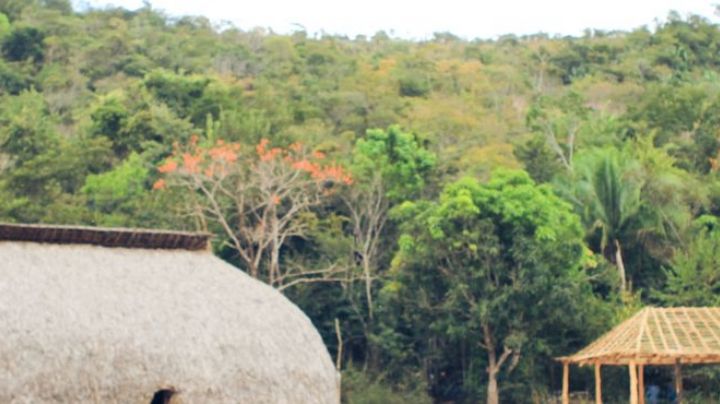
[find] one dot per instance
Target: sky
(419, 19)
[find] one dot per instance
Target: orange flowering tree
(259, 197)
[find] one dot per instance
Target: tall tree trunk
(620, 265)
(275, 265)
(275, 245)
(493, 396)
(368, 285)
(254, 272)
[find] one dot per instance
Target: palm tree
(605, 189)
(631, 197)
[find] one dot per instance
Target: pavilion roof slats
(658, 336)
(659, 332)
(669, 330)
(693, 328)
(713, 329)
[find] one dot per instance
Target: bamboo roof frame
(657, 336)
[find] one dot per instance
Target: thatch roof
(658, 336)
(83, 323)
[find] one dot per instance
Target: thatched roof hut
(116, 316)
(654, 336)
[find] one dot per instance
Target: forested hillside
(450, 214)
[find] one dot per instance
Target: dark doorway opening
(163, 396)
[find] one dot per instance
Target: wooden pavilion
(653, 336)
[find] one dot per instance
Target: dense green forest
(451, 214)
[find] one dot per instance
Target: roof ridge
(643, 326)
(105, 236)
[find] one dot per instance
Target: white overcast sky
(418, 19)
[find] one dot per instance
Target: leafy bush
(359, 388)
(414, 85)
(23, 44)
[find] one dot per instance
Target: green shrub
(360, 388)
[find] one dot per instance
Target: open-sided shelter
(91, 315)
(653, 336)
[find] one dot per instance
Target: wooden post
(641, 383)
(678, 382)
(566, 383)
(598, 384)
(633, 383)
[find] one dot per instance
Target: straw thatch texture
(90, 324)
(658, 336)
